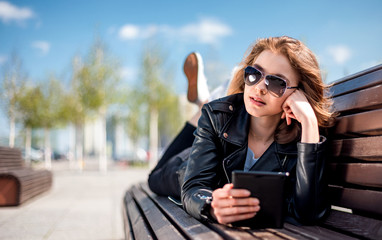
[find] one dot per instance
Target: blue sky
(345, 35)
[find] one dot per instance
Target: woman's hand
(231, 205)
(296, 106)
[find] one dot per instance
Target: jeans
(165, 179)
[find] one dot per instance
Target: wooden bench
(355, 186)
(17, 182)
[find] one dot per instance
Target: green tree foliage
(29, 106)
(96, 79)
(154, 93)
(51, 106)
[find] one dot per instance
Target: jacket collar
(236, 129)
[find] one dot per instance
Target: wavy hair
(305, 64)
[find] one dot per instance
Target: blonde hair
(305, 63)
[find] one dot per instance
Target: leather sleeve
(201, 173)
(309, 203)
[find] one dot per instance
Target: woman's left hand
(297, 107)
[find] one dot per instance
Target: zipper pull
(283, 163)
(225, 171)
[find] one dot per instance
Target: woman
(271, 122)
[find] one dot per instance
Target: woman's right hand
(230, 205)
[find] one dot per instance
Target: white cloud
(339, 53)
(43, 46)
(132, 32)
(129, 32)
(9, 12)
(204, 31)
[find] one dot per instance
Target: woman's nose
(261, 87)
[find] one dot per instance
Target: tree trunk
(47, 150)
(11, 131)
(102, 150)
(28, 145)
(72, 148)
(79, 149)
(153, 137)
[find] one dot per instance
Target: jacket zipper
(225, 171)
(283, 163)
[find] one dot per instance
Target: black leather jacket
(220, 147)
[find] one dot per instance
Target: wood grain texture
(361, 200)
(365, 148)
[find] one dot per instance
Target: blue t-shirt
(250, 160)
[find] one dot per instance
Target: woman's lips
(257, 101)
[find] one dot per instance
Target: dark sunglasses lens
(251, 76)
(276, 85)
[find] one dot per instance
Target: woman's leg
(183, 140)
(197, 93)
(166, 179)
(163, 179)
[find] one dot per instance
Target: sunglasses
(274, 84)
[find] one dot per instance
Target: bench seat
(17, 182)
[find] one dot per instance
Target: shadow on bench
(17, 182)
(355, 187)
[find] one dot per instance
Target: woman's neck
(262, 129)
(261, 134)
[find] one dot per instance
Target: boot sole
(190, 68)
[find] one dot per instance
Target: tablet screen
(268, 187)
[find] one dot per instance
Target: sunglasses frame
(266, 80)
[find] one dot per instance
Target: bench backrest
(356, 144)
(10, 158)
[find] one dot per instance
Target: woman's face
(258, 101)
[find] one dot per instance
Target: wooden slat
(366, 201)
(370, 98)
(366, 148)
(355, 225)
(5, 156)
(365, 123)
(315, 232)
(11, 160)
(32, 193)
(161, 226)
(140, 228)
(2, 148)
(287, 234)
(357, 81)
(234, 233)
(127, 227)
(189, 225)
(10, 151)
(363, 174)
(267, 234)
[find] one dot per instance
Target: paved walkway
(83, 205)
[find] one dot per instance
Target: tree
(154, 98)
(13, 82)
(50, 110)
(94, 83)
(28, 105)
(42, 106)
